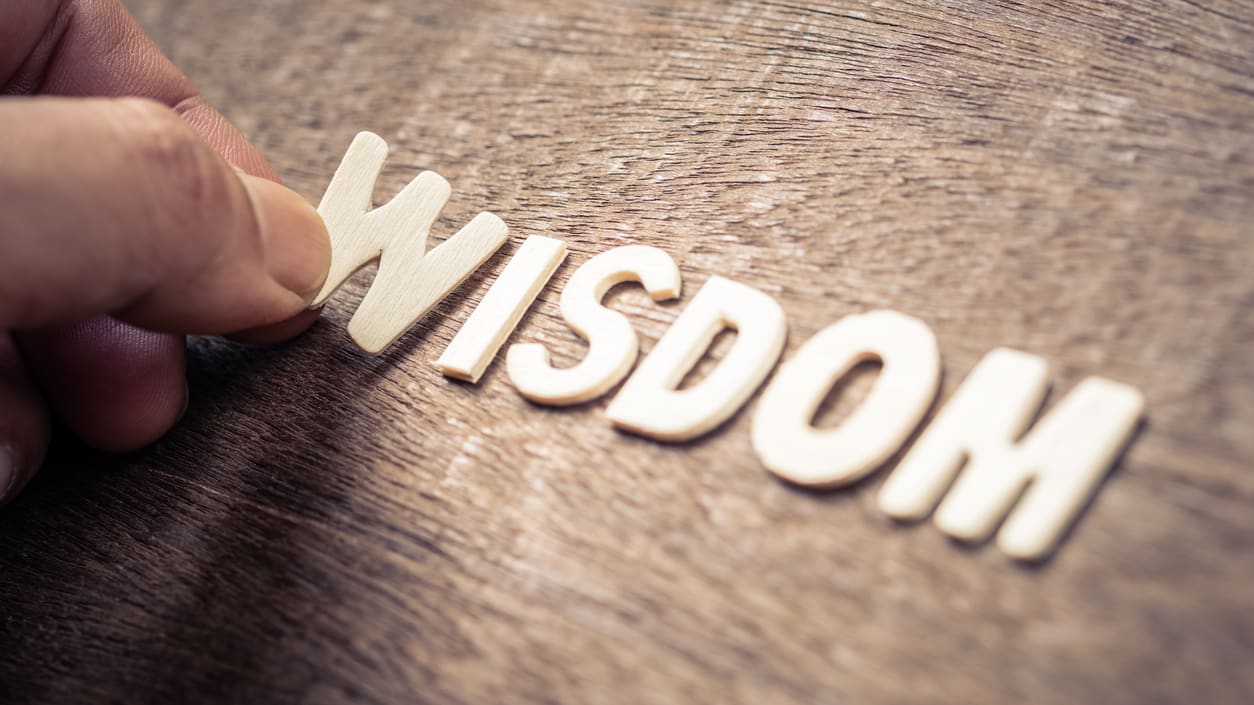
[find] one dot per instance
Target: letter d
(650, 403)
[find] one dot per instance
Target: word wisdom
(980, 464)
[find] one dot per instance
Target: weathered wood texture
(1073, 180)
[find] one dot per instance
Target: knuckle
(184, 175)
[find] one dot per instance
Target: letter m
(1041, 476)
(410, 280)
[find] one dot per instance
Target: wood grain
(1073, 180)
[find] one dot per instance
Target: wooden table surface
(1069, 179)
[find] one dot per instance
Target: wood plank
(1072, 180)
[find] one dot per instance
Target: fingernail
(187, 400)
(298, 249)
(7, 472)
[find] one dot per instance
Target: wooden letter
(612, 343)
(410, 280)
(783, 435)
(468, 355)
(1063, 458)
(650, 404)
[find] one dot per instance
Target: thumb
(117, 206)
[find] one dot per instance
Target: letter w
(410, 280)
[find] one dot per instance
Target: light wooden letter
(502, 307)
(794, 449)
(410, 280)
(612, 343)
(650, 403)
(1060, 461)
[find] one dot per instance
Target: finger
(23, 422)
(278, 332)
(95, 48)
(117, 387)
(154, 226)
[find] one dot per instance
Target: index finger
(95, 48)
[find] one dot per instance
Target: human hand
(120, 217)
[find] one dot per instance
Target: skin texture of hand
(131, 213)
